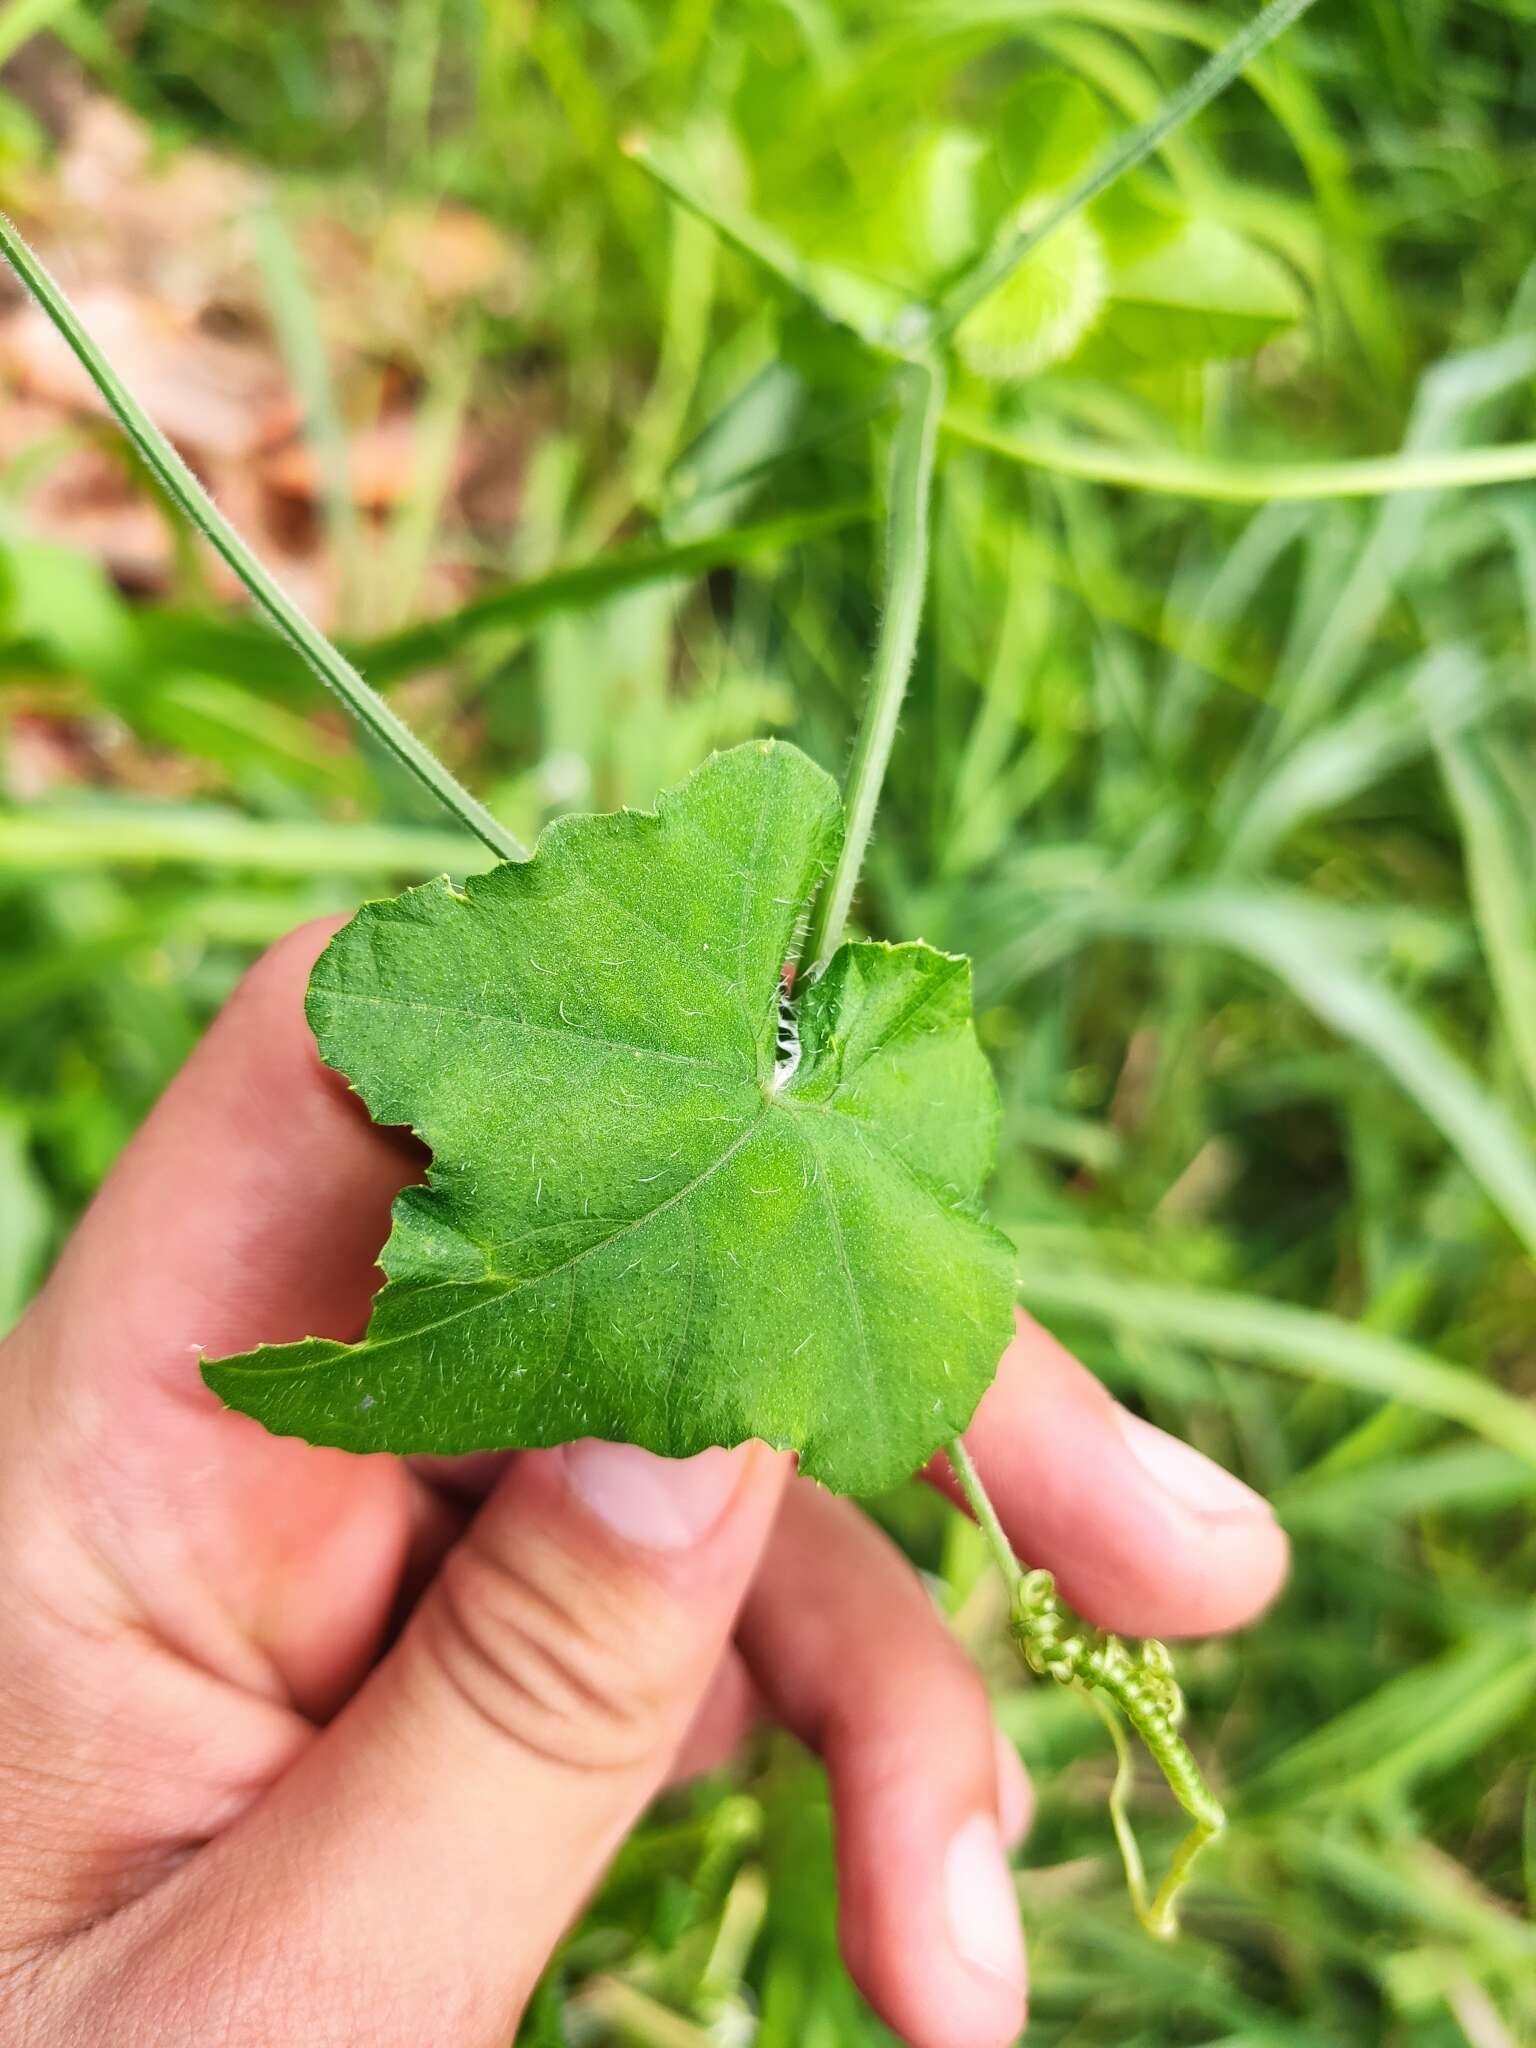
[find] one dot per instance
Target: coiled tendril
(1139, 1683)
(1142, 1685)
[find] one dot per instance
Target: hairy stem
(189, 497)
(979, 1501)
(906, 578)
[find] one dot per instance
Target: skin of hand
(303, 1750)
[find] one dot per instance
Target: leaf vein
(510, 1286)
(655, 1052)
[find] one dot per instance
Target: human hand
(301, 1750)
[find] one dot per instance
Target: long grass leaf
(1500, 848)
(1306, 1342)
(589, 583)
(1364, 1009)
(1422, 1722)
(73, 838)
(1360, 747)
(25, 1218)
(1307, 946)
(1480, 1477)
(296, 323)
(1449, 396)
(762, 245)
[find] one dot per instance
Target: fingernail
(1015, 1794)
(654, 1503)
(1192, 1478)
(983, 1907)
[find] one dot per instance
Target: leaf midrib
(788, 1104)
(507, 1286)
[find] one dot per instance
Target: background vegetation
(1219, 757)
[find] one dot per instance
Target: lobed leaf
(651, 1217)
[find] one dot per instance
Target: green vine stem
(189, 497)
(1138, 1688)
(921, 386)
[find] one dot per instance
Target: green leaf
(645, 1222)
(1199, 295)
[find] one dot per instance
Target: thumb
(426, 1853)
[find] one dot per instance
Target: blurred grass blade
(590, 583)
(749, 432)
(1236, 483)
(1310, 947)
(1306, 1342)
(1517, 515)
(1417, 1725)
(1361, 747)
(413, 78)
(1478, 1477)
(54, 839)
(762, 245)
(416, 527)
(1335, 989)
(1500, 852)
(188, 495)
(1212, 79)
(654, 436)
(633, 2015)
(296, 320)
(1226, 596)
(1449, 395)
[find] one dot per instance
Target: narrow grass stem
(187, 494)
(906, 578)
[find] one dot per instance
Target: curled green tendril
(1142, 1685)
(1123, 1687)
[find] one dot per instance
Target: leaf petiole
(906, 578)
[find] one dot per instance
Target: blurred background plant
(1219, 757)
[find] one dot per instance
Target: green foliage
(1138, 677)
(661, 1211)
(1199, 293)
